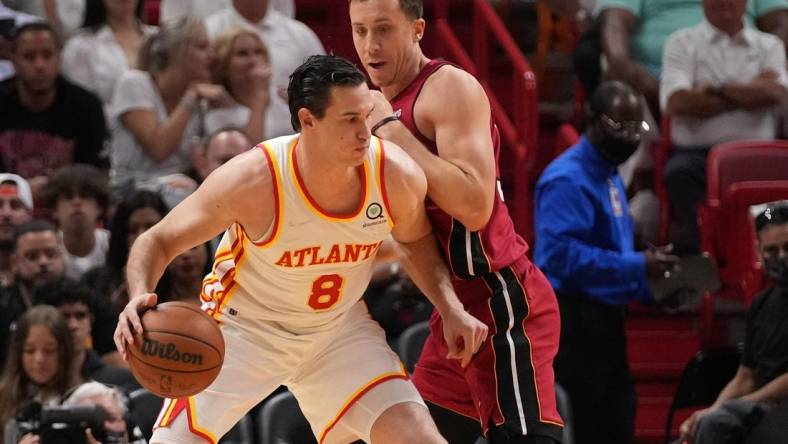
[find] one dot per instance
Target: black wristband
(382, 122)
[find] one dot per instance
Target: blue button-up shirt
(584, 237)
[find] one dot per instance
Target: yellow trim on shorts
(402, 374)
(191, 415)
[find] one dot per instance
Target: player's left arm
(418, 251)
(461, 178)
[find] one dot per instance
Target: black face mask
(777, 269)
(617, 151)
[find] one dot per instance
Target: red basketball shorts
(509, 382)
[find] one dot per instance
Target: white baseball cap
(22, 188)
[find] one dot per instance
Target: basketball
(180, 352)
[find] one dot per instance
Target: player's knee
(406, 422)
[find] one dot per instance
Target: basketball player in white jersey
(306, 215)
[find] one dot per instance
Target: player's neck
(410, 70)
(336, 187)
(315, 166)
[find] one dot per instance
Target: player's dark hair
(311, 84)
(36, 26)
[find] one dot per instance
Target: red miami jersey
(470, 254)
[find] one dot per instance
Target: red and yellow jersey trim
(381, 177)
(312, 204)
(219, 285)
(402, 374)
(276, 183)
(174, 407)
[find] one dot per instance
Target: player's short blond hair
(413, 9)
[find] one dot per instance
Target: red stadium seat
(740, 174)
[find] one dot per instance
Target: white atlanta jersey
(311, 266)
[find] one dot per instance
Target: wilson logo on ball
(169, 352)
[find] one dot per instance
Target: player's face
(12, 214)
(37, 61)
(37, 257)
(40, 355)
(78, 318)
(344, 125)
(385, 39)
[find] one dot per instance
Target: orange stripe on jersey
(185, 404)
(402, 374)
(312, 204)
(276, 182)
(226, 281)
(382, 181)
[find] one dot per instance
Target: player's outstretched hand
(464, 335)
(129, 320)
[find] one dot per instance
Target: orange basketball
(180, 352)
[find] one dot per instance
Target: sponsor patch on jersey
(375, 215)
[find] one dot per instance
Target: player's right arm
(418, 250)
(239, 191)
(453, 110)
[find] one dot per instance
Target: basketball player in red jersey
(440, 115)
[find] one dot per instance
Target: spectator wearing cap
(16, 206)
(46, 121)
(35, 260)
(78, 196)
